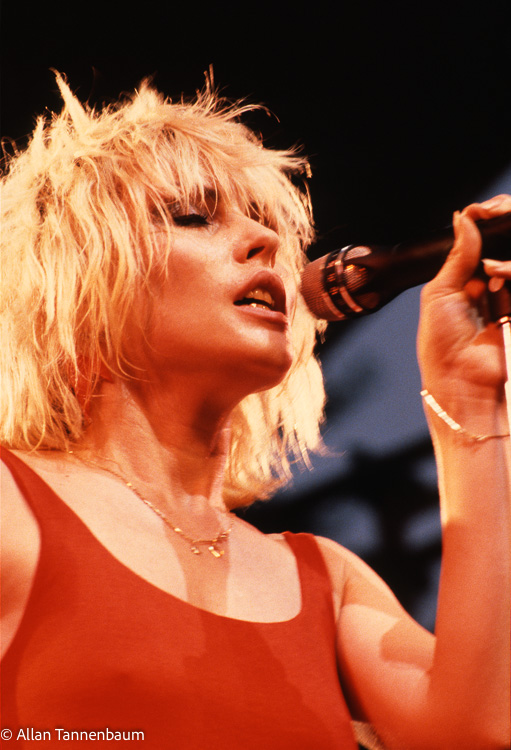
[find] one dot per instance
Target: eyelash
(188, 220)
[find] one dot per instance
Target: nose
(254, 241)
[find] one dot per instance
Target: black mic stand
(500, 311)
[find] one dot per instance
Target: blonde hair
(78, 205)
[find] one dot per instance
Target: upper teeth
(261, 295)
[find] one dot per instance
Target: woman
(160, 373)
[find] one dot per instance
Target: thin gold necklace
(213, 545)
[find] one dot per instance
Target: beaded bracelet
(449, 421)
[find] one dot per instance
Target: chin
(274, 375)
(253, 369)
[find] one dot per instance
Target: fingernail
(495, 284)
(492, 266)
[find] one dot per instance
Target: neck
(169, 447)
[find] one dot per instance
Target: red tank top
(101, 650)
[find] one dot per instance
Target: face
(220, 317)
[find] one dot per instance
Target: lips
(264, 290)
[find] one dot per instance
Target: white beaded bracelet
(449, 421)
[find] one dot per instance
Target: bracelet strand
(449, 421)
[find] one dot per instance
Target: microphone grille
(314, 294)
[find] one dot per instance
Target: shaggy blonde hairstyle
(78, 207)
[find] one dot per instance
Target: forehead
(211, 164)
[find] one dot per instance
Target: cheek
(147, 317)
(134, 335)
(292, 295)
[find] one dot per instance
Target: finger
(498, 268)
(463, 259)
(499, 204)
(495, 284)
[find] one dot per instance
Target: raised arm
(450, 692)
(463, 367)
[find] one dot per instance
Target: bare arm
(450, 691)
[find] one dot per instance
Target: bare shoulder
(20, 553)
(352, 578)
(17, 518)
(341, 563)
(42, 461)
(16, 515)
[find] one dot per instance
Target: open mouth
(264, 291)
(258, 298)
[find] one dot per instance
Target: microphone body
(360, 279)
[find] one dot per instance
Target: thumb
(464, 257)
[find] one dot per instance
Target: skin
(201, 355)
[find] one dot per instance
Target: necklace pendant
(195, 544)
(215, 551)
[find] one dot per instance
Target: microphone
(360, 279)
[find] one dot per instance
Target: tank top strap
(314, 578)
(44, 502)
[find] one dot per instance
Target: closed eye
(190, 220)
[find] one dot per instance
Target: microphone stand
(505, 323)
(500, 307)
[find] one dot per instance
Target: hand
(460, 353)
